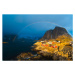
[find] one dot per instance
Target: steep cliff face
(53, 34)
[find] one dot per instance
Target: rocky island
(56, 44)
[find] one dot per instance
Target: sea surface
(12, 49)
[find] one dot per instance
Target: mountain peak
(53, 34)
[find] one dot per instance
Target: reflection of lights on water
(5, 42)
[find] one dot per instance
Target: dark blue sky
(35, 24)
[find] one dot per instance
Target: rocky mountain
(53, 34)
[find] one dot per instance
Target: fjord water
(12, 49)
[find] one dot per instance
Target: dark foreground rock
(24, 56)
(28, 56)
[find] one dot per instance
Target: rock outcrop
(53, 34)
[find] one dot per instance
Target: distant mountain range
(32, 37)
(50, 34)
(21, 37)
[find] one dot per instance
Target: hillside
(56, 44)
(53, 34)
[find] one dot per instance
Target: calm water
(12, 49)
